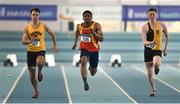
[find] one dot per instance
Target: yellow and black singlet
(38, 34)
(154, 34)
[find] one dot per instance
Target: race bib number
(151, 46)
(36, 42)
(85, 38)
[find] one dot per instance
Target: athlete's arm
(165, 31)
(98, 32)
(143, 36)
(77, 33)
(25, 39)
(52, 34)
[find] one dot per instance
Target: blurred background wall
(121, 22)
(69, 14)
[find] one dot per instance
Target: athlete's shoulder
(96, 24)
(161, 23)
(28, 25)
(145, 25)
(42, 23)
(78, 25)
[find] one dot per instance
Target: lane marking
(14, 85)
(165, 83)
(173, 68)
(117, 85)
(66, 84)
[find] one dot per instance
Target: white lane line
(173, 68)
(14, 85)
(165, 83)
(66, 84)
(117, 85)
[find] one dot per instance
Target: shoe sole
(156, 70)
(86, 87)
(153, 94)
(40, 77)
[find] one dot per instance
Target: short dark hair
(35, 9)
(87, 11)
(152, 10)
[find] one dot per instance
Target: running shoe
(40, 76)
(153, 93)
(35, 96)
(86, 86)
(156, 70)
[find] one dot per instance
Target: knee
(83, 62)
(32, 77)
(149, 74)
(156, 61)
(40, 63)
(31, 72)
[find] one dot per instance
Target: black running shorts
(32, 56)
(149, 54)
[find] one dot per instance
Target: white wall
(99, 12)
(107, 16)
(107, 12)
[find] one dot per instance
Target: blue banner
(22, 12)
(139, 13)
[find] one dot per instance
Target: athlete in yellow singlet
(34, 38)
(151, 35)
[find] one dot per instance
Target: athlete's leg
(84, 60)
(93, 60)
(31, 63)
(40, 62)
(84, 57)
(32, 72)
(149, 68)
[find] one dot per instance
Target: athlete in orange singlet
(90, 34)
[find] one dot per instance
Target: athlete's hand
(74, 47)
(80, 34)
(153, 42)
(55, 48)
(26, 42)
(164, 52)
(32, 39)
(93, 32)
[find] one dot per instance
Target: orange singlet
(88, 42)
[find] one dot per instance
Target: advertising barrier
(139, 13)
(22, 12)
